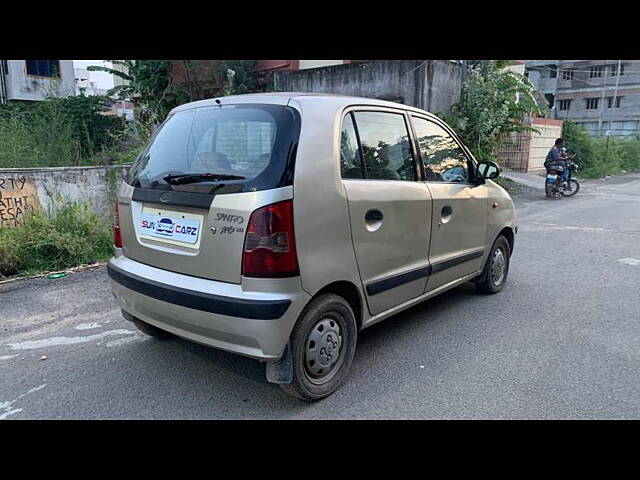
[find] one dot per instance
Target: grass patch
(509, 185)
(69, 235)
(600, 156)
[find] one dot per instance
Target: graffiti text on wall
(17, 196)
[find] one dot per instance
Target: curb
(79, 268)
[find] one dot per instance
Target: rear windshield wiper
(199, 177)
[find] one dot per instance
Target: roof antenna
(218, 101)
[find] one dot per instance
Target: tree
(152, 86)
(494, 103)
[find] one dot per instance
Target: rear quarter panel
(320, 208)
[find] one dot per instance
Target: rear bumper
(256, 324)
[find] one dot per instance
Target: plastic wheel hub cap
(322, 350)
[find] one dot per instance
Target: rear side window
(442, 157)
(385, 146)
(350, 161)
(253, 143)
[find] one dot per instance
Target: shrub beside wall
(599, 156)
(66, 236)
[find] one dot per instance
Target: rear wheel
(323, 344)
(574, 185)
(496, 269)
(549, 190)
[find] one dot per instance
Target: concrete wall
(21, 86)
(432, 85)
(540, 143)
(526, 151)
(37, 188)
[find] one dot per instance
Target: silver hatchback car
(277, 226)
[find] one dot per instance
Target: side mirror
(487, 170)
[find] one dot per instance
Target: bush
(601, 156)
(69, 235)
(56, 132)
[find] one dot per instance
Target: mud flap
(282, 370)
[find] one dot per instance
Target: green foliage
(494, 103)
(71, 234)
(155, 93)
(56, 132)
(244, 78)
(601, 156)
(34, 140)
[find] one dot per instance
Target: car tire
(150, 330)
(323, 345)
(496, 268)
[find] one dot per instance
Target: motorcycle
(555, 185)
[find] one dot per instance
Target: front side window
(43, 68)
(442, 157)
(385, 146)
(248, 145)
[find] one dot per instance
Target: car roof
(332, 101)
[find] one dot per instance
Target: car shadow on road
(239, 384)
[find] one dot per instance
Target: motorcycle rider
(557, 156)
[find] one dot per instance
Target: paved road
(562, 340)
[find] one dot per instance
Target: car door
(459, 207)
(389, 207)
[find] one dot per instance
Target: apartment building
(35, 80)
(601, 95)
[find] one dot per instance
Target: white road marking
(6, 406)
(630, 261)
(122, 341)
(57, 341)
(87, 326)
(7, 357)
(539, 226)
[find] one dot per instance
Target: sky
(102, 79)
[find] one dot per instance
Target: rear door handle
(374, 215)
(445, 214)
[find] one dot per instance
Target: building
(84, 85)
(35, 80)
(601, 95)
(281, 65)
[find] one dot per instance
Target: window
(553, 71)
(595, 72)
(550, 99)
(385, 146)
(610, 102)
(592, 103)
(443, 159)
(43, 68)
(568, 74)
(350, 162)
(614, 70)
(254, 143)
(564, 104)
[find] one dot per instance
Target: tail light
(270, 245)
(117, 238)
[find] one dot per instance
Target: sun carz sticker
(169, 227)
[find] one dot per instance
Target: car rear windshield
(248, 147)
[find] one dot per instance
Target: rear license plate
(168, 226)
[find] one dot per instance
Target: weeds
(601, 156)
(68, 235)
